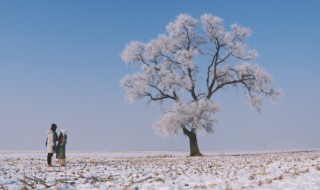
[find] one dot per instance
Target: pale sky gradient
(60, 62)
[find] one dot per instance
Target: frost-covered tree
(185, 67)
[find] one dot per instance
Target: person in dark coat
(61, 148)
(51, 143)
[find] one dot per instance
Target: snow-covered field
(162, 170)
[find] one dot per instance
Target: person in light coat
(51, 143)
(61, 148)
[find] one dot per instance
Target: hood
(63, 131)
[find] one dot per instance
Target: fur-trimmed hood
(63, 131)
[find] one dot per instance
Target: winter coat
(61, 148)
(51, 141)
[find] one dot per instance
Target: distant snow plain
(295, 170)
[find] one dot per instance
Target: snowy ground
(162, 170)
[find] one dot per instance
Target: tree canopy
(188, 65)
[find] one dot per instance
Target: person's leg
(61, 162)
(49, 159)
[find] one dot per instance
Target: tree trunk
(194, 149)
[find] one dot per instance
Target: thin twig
(143, 180)
(28, 184)
(42, 182)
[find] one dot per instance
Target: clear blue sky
(60, 62)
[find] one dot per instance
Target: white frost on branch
(184, 25)
(235, 41)
(258, 86)
(133, 52)
(198, 116)
(136, 86)
(240, 31)
(252, 54)
(170, 71)
(212, 26)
